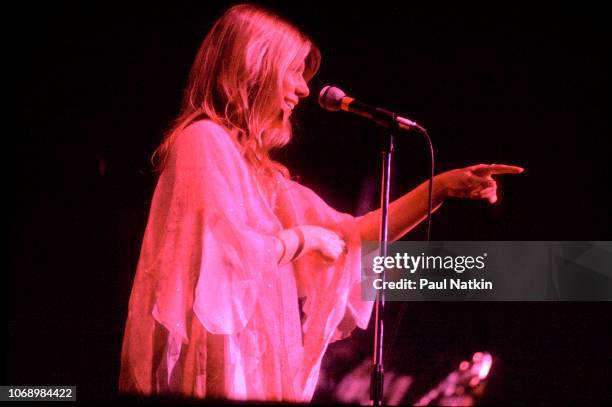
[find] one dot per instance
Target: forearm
(289, 245)
(292, 243)
(404, 213)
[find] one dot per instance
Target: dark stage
(97, 85)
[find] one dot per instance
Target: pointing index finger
(498, 169)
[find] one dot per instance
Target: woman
(245, 276)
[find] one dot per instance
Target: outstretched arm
(474, 182)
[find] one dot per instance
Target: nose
(301, 89)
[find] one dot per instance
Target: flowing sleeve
(333, 305)
(206, 250)
(215, 233)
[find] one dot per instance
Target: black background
(98, 84)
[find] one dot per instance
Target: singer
(234, 250)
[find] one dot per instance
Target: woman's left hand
(475, 182)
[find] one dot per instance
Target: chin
(282, 121)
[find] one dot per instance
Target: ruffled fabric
(211, 313)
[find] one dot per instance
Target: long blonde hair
(236, 81)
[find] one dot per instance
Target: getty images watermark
(489, 271)
(411, 264)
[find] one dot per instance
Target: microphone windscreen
(330, 98)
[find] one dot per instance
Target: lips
(290, 104)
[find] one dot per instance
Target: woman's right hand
(297, 241)
(327, 243)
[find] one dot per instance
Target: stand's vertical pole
(377, 380)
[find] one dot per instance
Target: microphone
(334, 99)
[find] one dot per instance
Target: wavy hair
(236, 81)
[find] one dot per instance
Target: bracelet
(301, 242)
(282, 256)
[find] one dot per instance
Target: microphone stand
(377, 379)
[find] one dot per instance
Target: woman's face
(294, 87)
